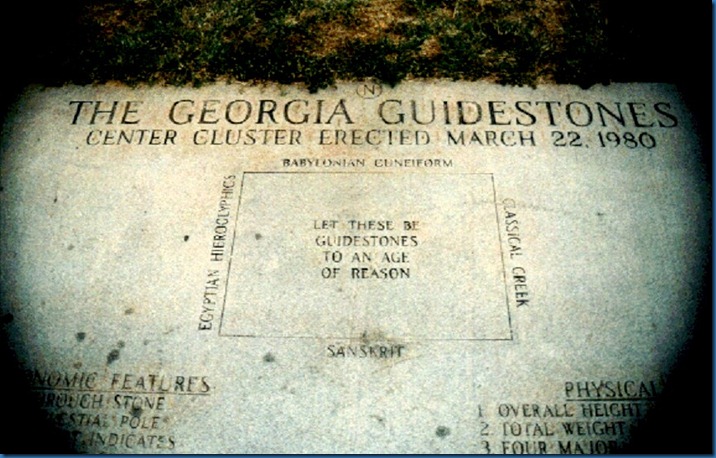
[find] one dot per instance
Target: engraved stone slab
(437, 267)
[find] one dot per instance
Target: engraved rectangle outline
(233, 243)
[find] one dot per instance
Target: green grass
(315, 42)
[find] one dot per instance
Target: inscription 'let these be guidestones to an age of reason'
(436, 267)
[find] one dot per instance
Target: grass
(315, 42)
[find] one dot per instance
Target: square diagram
(409, 256)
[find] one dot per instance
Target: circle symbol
(369, 90)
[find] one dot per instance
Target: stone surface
(432, 268)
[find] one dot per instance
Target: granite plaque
(437, 267)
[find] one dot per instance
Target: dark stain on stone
(258, 236)
(269, 358)
(186, 238)
(128, 311)
(145, 342)
(374, 336)
(136, 412)
(80, 336)
(112, 356)
(54, 201)
(77, 365)
(600, 214)
(442, 431)
(70, 247)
